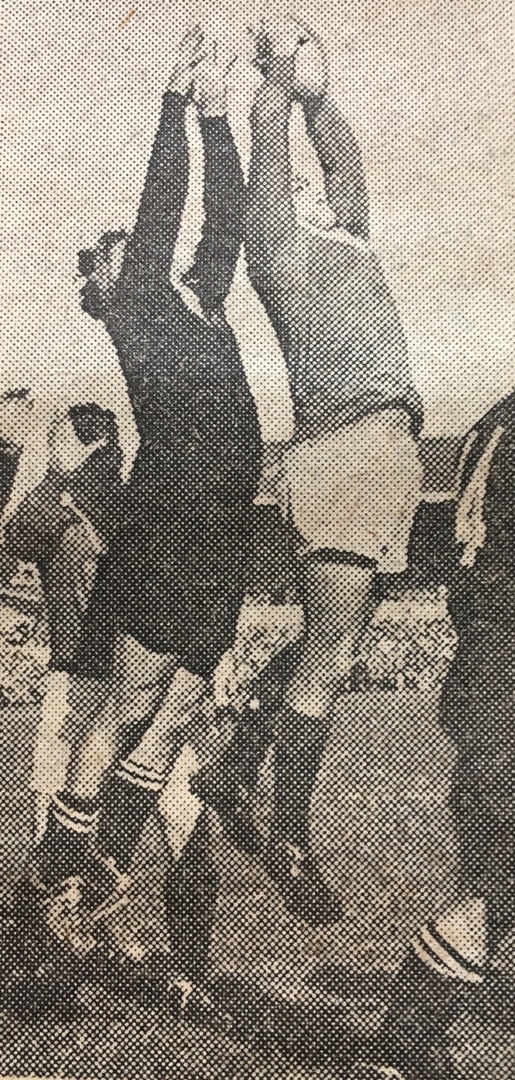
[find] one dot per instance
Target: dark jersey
(176, 570)
(197, 421)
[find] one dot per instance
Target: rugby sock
(140, 776)
(299, 748)
(75, 814)
(64, 848)
(437, 982)
(456, 944)
(423, 1006)
(128, 799)
(190, 896)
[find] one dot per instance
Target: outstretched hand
(210, 81)
(288, 53)
(189, 54)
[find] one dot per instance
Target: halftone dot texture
(322, 876)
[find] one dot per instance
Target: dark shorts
(175, 584)
(480, 717)
(477, 709)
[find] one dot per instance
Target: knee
(139, 669)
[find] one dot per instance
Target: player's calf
(75, 887)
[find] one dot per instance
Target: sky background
(428, 88)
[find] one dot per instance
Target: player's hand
(311, 74)
(210, 81)
(288, 53)
(189, 54)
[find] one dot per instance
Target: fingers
(200, 58)
(284, 37)
(188, 56)
(210, 80)
(190, 50)
(304, 32)
(275, 41)
(219, 60)
(193, 38)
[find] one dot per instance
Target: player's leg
(132, 791)
(141, 683)
(210, 563)
(336, 589)
(337, 598)
(209, 578)
(448, 970)
(70, 704)
(352, 497)
(337, 603)
(190, 898)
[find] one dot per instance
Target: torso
(196, 418)
(336, 321)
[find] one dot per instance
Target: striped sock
(129, 796)
(64, 850)
(141, 776)
(73, 813)
(455, 945)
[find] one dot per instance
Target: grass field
(383, 835)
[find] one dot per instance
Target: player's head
(75, 434)
(101, 267)
(311, 203)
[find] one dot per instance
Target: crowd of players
(144, 580)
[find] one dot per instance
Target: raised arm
(337, 149)
(340, 158)
(150, 251)
(224, 188)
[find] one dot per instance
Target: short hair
(91, 423)
(88, 259)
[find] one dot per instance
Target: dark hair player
(170, 587)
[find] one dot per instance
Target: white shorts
(356, 490)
